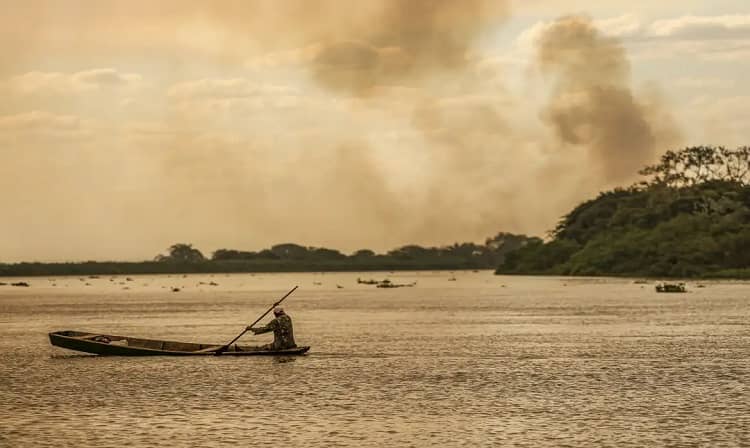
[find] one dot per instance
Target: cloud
(713, 38)
(225, 89)
(703, 83)
(233, 98)
(41, 130)
(40, 121)
(58, 83)
(719, 120)
(354, 66)
(702, 27)
(102, 77)
(285, 59)
(621, 26)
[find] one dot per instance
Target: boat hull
(113, 345)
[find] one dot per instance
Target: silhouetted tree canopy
(183, 253)
(231, 254)
(699, 164)
(291, 256)
(321, 253)
(412, 252)
(289, 251)
(363, 253)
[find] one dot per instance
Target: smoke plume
(593, 105)
(406, 40)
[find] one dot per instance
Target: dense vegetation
(690, 217)
(184, 258)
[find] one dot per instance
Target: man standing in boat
(283, 333)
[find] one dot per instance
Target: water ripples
(611, 365)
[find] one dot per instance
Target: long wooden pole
(224, 347)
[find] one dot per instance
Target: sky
(128, 126)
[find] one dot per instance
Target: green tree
(321, 253)
(231, 254)
(182, 252)
(698, 164)
(290, 251)
(363, 253)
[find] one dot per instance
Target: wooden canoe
(111, 345)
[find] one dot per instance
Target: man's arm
(259, 330)
(265, 329)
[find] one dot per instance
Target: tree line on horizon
(487, 255)
(183, 258)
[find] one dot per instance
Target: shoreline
(78, 269)
(158, 268)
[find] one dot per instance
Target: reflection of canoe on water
(105, 344)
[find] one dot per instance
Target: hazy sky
(126, 126)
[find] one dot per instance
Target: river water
(481, 360)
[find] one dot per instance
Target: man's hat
(278, 310)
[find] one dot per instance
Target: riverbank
(230, 267)
(285, 266)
